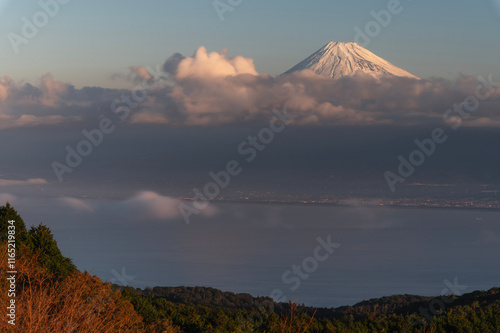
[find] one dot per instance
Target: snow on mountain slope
(342, 59)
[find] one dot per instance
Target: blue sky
(88, 41)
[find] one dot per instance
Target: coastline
(344, 205)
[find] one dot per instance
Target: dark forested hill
(199, 309)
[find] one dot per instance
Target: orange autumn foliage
(79, 303)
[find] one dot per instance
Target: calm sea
(254, 248)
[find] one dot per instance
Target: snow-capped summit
(342, 59)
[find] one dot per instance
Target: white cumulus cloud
(204, 65)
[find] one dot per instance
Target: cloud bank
(14, 182)
(143, 205)
(211, 88)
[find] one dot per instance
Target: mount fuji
(336, 60)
